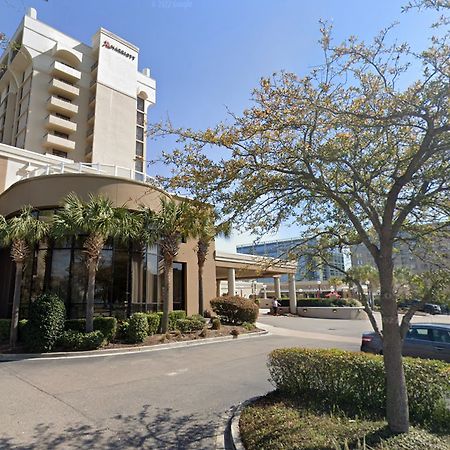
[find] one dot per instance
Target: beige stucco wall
(49, 191)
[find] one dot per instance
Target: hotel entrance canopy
(232, 266)
(251, 266)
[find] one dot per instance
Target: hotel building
(73, 119)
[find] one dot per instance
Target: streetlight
(319, 283)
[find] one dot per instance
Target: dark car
(424, 340)
(431, 308)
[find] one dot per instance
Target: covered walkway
(233, 266)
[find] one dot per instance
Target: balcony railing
(62, 87)
(95, 169)
(62, 70)
(62, 106)
(94, 66)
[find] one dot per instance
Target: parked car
(424, 340)
(431, 308)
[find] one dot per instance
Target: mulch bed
(173, 336)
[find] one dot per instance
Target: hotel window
(60, 153)
(140, 149)
(140, 117)
(139, 165)
(140, 133)
(141, 104)
(61, 135)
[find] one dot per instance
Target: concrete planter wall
(342, 312)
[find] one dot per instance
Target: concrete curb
(4, 357)
(235, 434)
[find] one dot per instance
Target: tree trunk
(16, 305)
(168, 294)
(90, 296)
(201, 305)
(397, 412)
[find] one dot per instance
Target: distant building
(416, 258)
(306, 269)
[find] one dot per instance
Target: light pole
(319, 283)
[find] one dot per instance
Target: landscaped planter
(340, 312)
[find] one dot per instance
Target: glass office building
(308, 269)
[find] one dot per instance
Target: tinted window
(441, 336)
(419, 333)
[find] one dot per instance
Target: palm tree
(22, 232)
(99, 220)
(168, 227)
(203, 227)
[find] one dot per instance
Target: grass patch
(277, 422)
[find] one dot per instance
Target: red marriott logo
(108, 45)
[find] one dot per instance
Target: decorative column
(277, 285)
(292, 294)
(231, 281)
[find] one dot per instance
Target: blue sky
(207, 55)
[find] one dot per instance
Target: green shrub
(235, 310)
(137, 328)
(328, 302)
(71, 340)
(216, 324)
(75, 325)
(154, 320)
(107, 325)
(249, 326)
(122, 330)
(190, 324)
(355, 382)
(45, 323)
(174, 316)
(5, 328)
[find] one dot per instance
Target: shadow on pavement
(149, 429)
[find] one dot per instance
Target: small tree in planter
(99, 220)
(168, 227)
(204, 229)
(21, 232)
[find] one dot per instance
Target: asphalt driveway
(171, 399)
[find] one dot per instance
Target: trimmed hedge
(174, 317)
(5, 328)
(122, 330)
(137, 328)
(154, 320)
(356, 382)
(107, 325)
(71, 340)
(45, 323)
(326, 302)
(235, 310)
(190, 324)
(75, 325)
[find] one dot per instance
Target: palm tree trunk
(16, 305)
(168, 294)
(397, 411)
(90, 296)
(201, 305)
